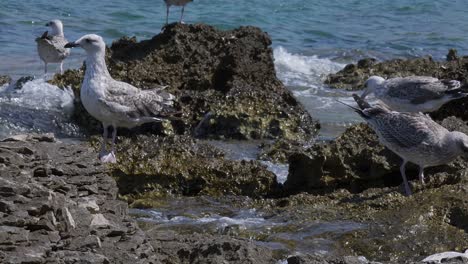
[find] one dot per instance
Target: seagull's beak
(71, 45)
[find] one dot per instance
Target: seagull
(170, 3)
(413, 93)
(114, 103)
(415, 137)
(50, 46)
(439, 257)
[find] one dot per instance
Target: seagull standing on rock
(51, 45)
(414, 93)
(415, 137)
(170, 3)
(115, 103)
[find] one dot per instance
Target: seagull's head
(91, 43)
(371, 84)
(56, 27)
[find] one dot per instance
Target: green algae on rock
(225, 81)
(180, 165)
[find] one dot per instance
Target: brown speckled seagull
(115, 103)
(51, 45)
(415, 137)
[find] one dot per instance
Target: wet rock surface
(225, 82)
(58, 206)
(181, 165)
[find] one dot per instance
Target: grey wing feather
(418, 89)
(53, 44)
(406, 130)
(134, 103)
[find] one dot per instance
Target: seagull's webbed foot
(108, 157)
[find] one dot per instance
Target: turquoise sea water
(310, 38)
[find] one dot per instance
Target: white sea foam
(40, 95)
(37, 107)
(304, 76)
(300, 70)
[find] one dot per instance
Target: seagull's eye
(88, 40)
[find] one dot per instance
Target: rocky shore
(60, 205)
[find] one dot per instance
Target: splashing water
(304, 76)
(37, 107)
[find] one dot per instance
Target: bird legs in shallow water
(104, 156)
(405, 181)
(61, 67)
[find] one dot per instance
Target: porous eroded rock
(357, 161)
(225, 81)
(58, 206)
(181, 165)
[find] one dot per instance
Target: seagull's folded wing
(416, 89)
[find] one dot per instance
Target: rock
(452, 55)
(224, 81)
(41, 225)
(181, 165)
(21, 81)
(98, 220)
(203, 248)
(4, 79)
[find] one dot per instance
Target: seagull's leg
(61, 67)
(421, 174)
(45, 67)
(405, 181)
(110, 157)
(104, 141)
(182, 15)
(114, 137)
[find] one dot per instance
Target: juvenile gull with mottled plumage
(413, 93)
(170, 3)
(51, 45)
(115, 103)
(415, 137)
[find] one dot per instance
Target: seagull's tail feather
(363, 104)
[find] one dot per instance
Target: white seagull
(413, 93)
(51, 45)
(170, 3)
(415, 137)
(115, 103)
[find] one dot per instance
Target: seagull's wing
(131, 103)
(419, 89)
(405, 130)
(57, 44)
